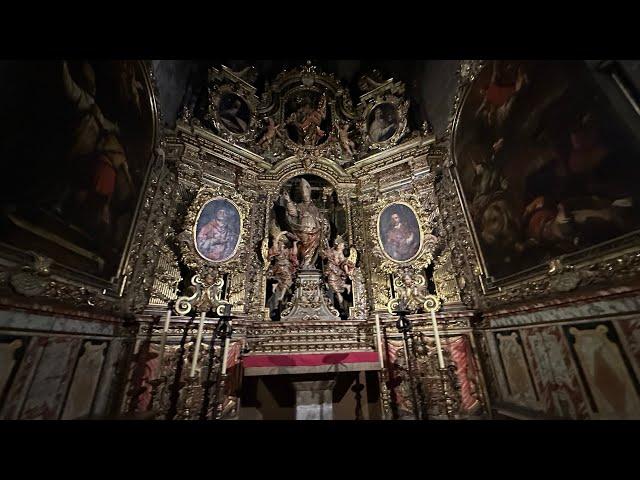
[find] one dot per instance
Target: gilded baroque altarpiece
(336, 224)
(308, 215)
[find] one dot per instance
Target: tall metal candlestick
(163, 341)
(196, 350)
(436, 335)
(225, 353)
(379, 336)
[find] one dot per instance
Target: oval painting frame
(238, 121)
(387, 109)
(408, 225)
(220, 242)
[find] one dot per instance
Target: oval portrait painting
(234, 113)
(383, 122)
(399, 232)
(218, 227)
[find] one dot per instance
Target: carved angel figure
(270, 134)
(412, 288)
(284, 266)
(338, 268)
(346, 143)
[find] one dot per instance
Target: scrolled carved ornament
(207, 281)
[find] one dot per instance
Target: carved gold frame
(299, 148)
(197, 219)
(390, 93)
(425, 254)
(188, 248)
(381, 244)
(226, 82)
(156, 114)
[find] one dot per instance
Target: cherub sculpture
(346, 143)
(412, 288)
(338, 268)
(284, 266)
(270, 134)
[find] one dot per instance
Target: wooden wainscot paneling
(521, 389)
(629, 330)
(20, 386)
(50, 382)
(10, 348)
(606, 371)
(554, 375)
(85, 380)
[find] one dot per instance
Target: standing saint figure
(400, 241)
(306, 223)
(216, 239)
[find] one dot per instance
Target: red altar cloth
(308, 359)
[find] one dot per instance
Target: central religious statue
(309, 226)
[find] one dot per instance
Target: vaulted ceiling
(430, 84)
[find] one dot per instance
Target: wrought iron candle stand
(191, 395)
(158, 384)
(195, 394)
(190, 390)
(443, 397)
(216, 383)
(157, 392)
(403, 324)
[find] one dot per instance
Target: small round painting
(382, 122)
(234, 113)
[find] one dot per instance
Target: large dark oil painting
(546, 166)
(79, 140)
